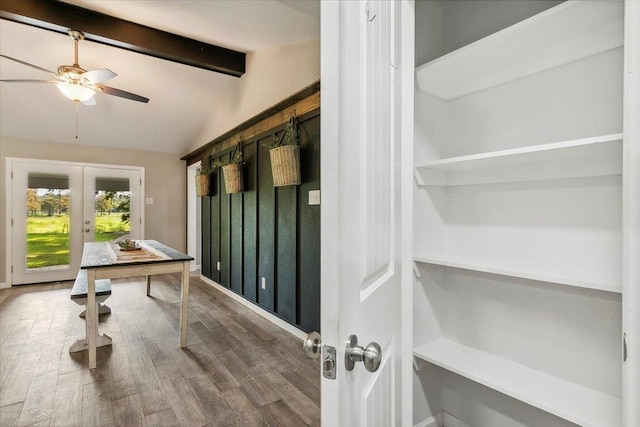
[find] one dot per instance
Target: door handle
(312, 344)
(312, 347)
(371, 355)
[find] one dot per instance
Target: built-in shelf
(585, 157)
(571, 401)
(602, 280)
(565, 33)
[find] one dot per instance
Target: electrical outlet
(218, 265)
(264, 283)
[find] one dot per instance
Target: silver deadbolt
(371, 355)
(312, 347)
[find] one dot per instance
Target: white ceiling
(182, 98)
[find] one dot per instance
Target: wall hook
(368, 11)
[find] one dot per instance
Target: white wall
(164, 182)
(272, 76)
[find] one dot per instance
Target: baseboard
(451, 421)
(298, 333)
(435, 421)
(5, 285)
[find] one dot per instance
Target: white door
(112, 204)
(57, 206)
(367, 125)
(46, 218)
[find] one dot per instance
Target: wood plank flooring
(237, 370)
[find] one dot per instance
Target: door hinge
(624, 347)
(12, 222)
(11, 174)
(140, 221)
(141, 182)
(12, 269)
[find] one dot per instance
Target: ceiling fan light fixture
(76, 92)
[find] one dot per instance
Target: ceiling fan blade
(29, 81)
(98, 76)
(30, 65)
(90, 102)
(122, 94)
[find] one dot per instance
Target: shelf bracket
(416, 270)
(419, 364)
(418, 177)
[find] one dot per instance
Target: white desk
(104, 261)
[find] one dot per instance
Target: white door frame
(194, 238)
(631, 217)
(9, 162)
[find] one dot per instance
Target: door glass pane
(112, 209)
(47, 221)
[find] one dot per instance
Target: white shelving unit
(518, 174)
(556, 274)
(574, 402)
(595, 156)
(543, 42)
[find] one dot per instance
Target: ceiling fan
(76, 83)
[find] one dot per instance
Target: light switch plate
(148, 201)
(264, 283)
(314, 197)
(218, 265)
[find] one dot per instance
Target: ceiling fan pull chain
(76, 102)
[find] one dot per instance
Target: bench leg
(92, 318)
(102, 309)
(148, 286)
(83, 343)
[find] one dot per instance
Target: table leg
(148, 285)
(184, 303)
(91, 317)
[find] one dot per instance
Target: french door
(56, 207)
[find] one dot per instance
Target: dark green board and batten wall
(268, 232)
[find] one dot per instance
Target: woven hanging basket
(232, 178)
(285, 165)
(202, 185)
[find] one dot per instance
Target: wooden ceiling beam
(59, 17)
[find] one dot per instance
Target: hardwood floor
(237, 370)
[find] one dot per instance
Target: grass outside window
(48, 237)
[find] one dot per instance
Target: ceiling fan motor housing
(71, 72)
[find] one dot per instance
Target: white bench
(79, 296)
(79, 292)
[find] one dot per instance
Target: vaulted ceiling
(182, 98)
